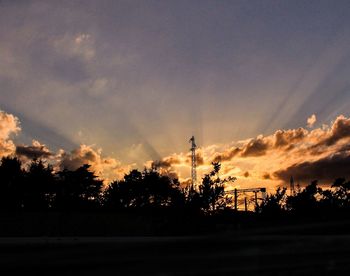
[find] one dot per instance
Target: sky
(262, 85)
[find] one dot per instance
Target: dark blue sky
(138, 78)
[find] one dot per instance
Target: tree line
(309, 201)
(39, 187)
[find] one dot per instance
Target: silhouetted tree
(39, 186)
(143, 189)
(341, 193)
(212, 190)
(273, 204)
(11, 183)
(79, 189)
(328, 202)
(125, 193)
(162, 189)
(305, 201)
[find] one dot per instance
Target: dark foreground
(227, 254)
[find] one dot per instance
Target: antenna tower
(292, 190)
(194, 163)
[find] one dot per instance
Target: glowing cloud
(321, 153)
(271, 160)
(35, 151)
(311, 120)
(106, 167)
(328, 169)
(9, 124)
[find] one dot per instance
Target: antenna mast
(194, 163)
(292, 191)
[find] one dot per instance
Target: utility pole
(236, 192)
(236, 199)
(194, 163)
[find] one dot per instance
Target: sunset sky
(264, 86)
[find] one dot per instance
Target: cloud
(325, 169)
(169, 165)
(7, 147)
(98, 87)
(106, 167)
(299, 140)
(35, 151)
(80, 45)
(167, 162)
(339, 130)
(261, 145)
(199, 157)
(226, 155)
(256, 147)
(9, 125)
(81, 38)
(266, 175)
(311, 120)
(179, 164)
(179, 160)
(320, 153)
(288, 138)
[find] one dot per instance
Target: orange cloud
(322, 153)
(339, 130)
(106, 167)
(266, 176)
(256, 147)
(328, 169)
(35, 151)
(287, 138)
(199, 157)
(167, 162)
(274, 158)
(9, 125)
(311, 120)
(227, 155)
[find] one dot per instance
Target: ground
(225, 254)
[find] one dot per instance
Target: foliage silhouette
(304, 201)
(36, 186)
(11, 183)
(341, 194)
(274, 204)
(79, 189)
(212, 190)
(142, 190)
